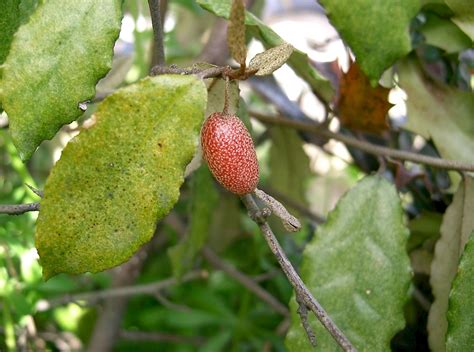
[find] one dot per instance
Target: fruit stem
(225, 111)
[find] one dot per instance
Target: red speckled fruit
(228, 149)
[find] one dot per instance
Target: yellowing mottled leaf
(115, 180)
(236, 32)
(54, 63)
(271, 59)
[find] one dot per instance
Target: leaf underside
(358, 269)
(457, 225)
(439, 112)
(116, 179)
(49, 72)
(236, 32)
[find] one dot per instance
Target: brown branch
(18, 209)
(245, 281)
(155, 13)
(303, 295)
(318, 219)
(366, 146)
(248, 282)
(96, 296)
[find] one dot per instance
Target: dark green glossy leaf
(358, 269)
(461, 304)
(377, 31)
(9, 22)
(49, 72)
(458, 223)
(115, 180)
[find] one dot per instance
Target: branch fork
(303, 296)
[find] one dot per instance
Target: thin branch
(290, 223)
(155, 13)
(94, 297)
(18, 209)
(248, 282)
(303, 313)
(318, 219)
(303, 295)
(245, 281)
(366, 146)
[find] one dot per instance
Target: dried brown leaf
(361, 106)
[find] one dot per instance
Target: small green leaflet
(115, 180)
(358, 269)
(271, 60)
(377, 31)
(49, 72)
(298, 60)
(461, 304)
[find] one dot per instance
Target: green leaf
(423, 228)
(9, 22)
(458, 223)
(358, 269)
(289, 164)
(204, 200)
(271, 60)
(463, 15)
(236, 32)
(215, 101)
(461, 304)
(27, 7)
(48, 72)
(439, 112)
(298, 60)
(376, 31)
(444, 34)
(115, 180)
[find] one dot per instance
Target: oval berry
(229, 151)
